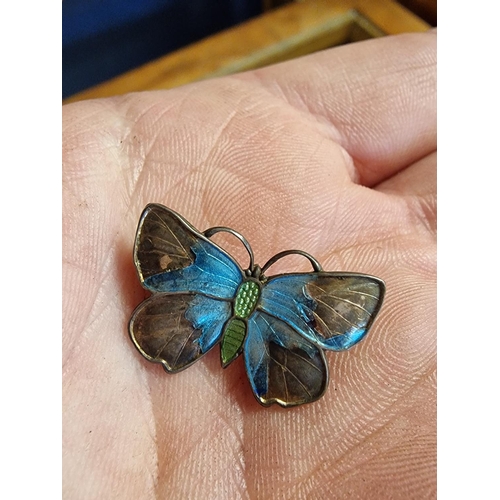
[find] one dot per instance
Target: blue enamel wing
(201, 297)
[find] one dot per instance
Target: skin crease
(335, 154)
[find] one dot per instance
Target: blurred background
(111, 47)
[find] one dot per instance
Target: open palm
(334, 154)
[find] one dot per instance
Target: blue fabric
(212, 273)
(86, 18)
(104, 38)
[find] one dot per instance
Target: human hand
(334, 154)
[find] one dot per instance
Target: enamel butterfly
(202, 297)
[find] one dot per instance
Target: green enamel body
(246, 299)
(236, 328)
(232, 341)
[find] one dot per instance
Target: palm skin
(333, 154)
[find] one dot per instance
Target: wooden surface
(284, 33)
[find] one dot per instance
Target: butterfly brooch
(202, 297)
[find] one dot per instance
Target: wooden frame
(291, 31)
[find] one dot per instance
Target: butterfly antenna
(315, 264)
(221, 229)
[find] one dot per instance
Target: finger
(379, 97)
(418, 179)
(417, 188)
